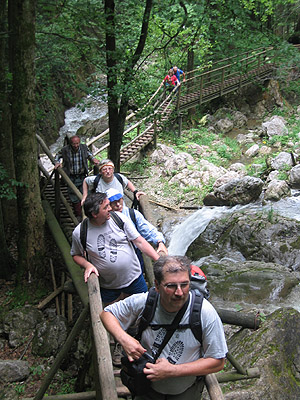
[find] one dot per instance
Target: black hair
(174, 264)
(92, 203)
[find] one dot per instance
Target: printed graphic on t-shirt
(113, 250)
(158, 340)
(176, 351)
(101, 246)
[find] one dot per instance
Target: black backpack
(194, 320)
(98, 177)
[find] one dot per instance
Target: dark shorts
(192, 393)
(137, 286)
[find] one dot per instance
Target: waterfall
(90, 109)
(185, 233)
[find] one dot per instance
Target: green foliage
(19, 388)
(271, 215)
(37, 371)
(20, 295)
(136, 167)
(238, 307)
(8, 185)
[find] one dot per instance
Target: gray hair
(173, 264)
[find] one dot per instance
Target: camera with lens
(132, 374)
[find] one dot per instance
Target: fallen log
(51, 296)
(237, 318)
(190, 207)
(223, 377)
(163, 205)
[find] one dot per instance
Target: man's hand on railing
(58, 164)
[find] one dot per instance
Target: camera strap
(170, 330)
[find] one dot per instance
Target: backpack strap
(83, 234)
(117, 220)
(98, 177)
(194, 320)
(148, 312)
(119, 177)
(195, 314)
(96, 181)
(133, 217)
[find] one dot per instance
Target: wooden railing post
(178, 97)
(57, 195)
(103, 355)
(222, 81)
(155, 131)
(213, 387)
(201, 89)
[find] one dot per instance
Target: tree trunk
(7, 262)
(6, 152)
(190, 67)
(118, 101)
(30, 212)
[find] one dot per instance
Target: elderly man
(145, 229)
(178, 373)
(109, 252)
(107, 179)
(75, 158)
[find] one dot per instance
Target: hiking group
(172, 79)
(170, 335)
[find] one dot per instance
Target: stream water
(185, 233)
(90, 109)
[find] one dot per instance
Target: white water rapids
(186, 232)
(90, 109)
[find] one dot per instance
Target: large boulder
(282, 161)
(249, 283)
(275, 350)
(238, 191)
(224, 125)
(252, 151)
(276, 190)
(20, 323)
(50, 337)
(13, 370)
(294, 177)
(263, 236)
(275, 126)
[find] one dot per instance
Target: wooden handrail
(104, 361)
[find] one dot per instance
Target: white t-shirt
(183, 347)
(103, 186)
(110, 250)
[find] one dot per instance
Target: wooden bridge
(201, 86)
(61, 222)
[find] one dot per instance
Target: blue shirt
(145, 229)
(178, 73)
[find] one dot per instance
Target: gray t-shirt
(110, 250)
(183, 347)
(103, 186)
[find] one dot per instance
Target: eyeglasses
(172, 287)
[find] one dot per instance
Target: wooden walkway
(201, 86)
